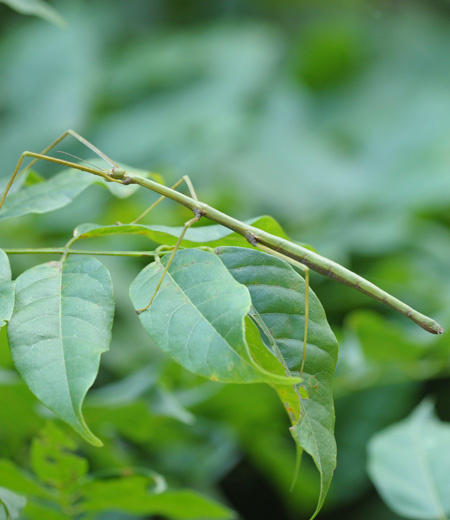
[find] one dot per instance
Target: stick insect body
(272, 244)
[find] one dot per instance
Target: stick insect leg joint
(251, 239)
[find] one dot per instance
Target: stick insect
(295, 254)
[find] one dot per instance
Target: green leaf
(54, 460)
(409, 465)
(43, 197)
(36, 8)
(20, 481)
(132, 495)
(6, 290)
(61, 324)
(59, 191)
(12, 502)
(278, 296)
(198, 317)
(38, 511)
(211, 236)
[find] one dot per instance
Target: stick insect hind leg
(305, 269)
(115, 168)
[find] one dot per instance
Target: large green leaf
(36, 8)
(198, 318)
(409, 465)
(209, 235)
(6, 289)
(278, 295)
(61, 324)
(131, 495)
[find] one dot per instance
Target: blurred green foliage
(333, 119)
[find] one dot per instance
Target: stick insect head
(117, 173)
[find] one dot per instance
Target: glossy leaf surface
(197, 317)
(6, 289)
(61, 325)
(278, 295)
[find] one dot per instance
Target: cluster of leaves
(206, 316)
(60, 487)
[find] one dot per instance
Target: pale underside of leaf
(409, 464)
(198, 318)
(61, 325)
(277, 293)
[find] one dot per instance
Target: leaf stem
(62, 250)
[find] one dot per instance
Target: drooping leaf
(198, 318)
(36, 8)
(409, 464)
(211, 236)
(6, 290)
(61, 325)
(278, 295)
(12, 502)
(131, 495)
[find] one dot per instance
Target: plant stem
(62, 250)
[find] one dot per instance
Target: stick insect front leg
(115, 168)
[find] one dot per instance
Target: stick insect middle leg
(187, 225)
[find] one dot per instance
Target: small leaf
(409, 464)
(36, 8)
(12, 502)
(46, 196)
(198, 317)
(6, 290)
(20, 481)
(211, 236)
(278, 296)
(59, 191)
(61, 324)
(132, 495)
